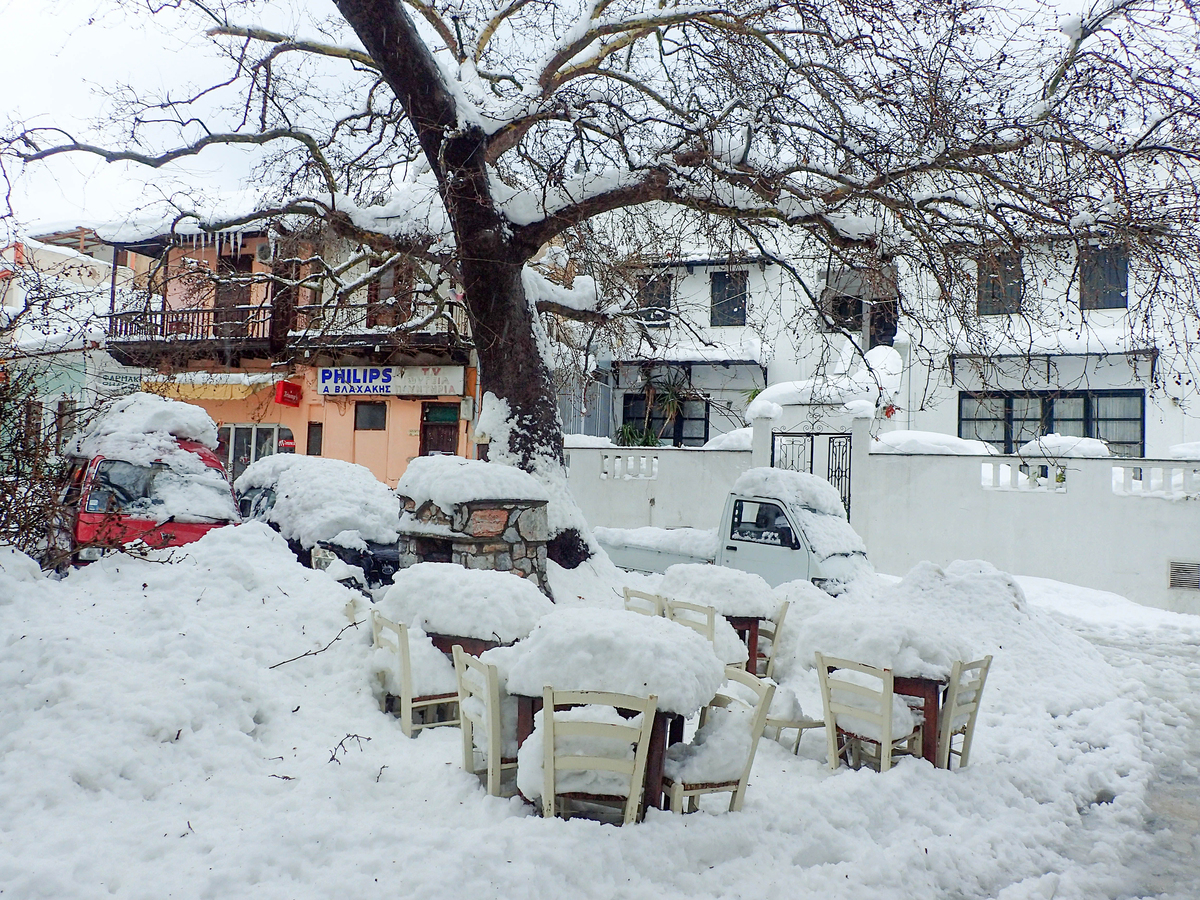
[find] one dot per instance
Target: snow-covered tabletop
(729, 591)
(613, 650)
(443, 598)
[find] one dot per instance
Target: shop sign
(429, 381)
(288, 394)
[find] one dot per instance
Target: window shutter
(1185, 576)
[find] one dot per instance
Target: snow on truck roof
(145, 428)
(798, 490)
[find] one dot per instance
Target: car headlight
(90, 554)
(322, 557)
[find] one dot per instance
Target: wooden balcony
(147, 337)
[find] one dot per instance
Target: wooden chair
(644, 603)
(959, 710)
(480, 682)
(678, 790)
(432, 709)
(613, 734)
(770, 630)
(702, 619)
(845, 720)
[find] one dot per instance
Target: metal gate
(813, 451)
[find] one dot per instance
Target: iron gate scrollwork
(798, 451)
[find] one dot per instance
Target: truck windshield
(159, 492)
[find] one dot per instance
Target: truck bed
(656, 549)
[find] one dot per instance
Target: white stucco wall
(664, 487)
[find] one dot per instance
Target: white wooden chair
(860, 716)
(702, 619)
(554, 800)
(770, 629)
(433, 709)
(959, 709)
(644, 603)
(696, 780)
(480, 714)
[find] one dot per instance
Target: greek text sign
(392, 380)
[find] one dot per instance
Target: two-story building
(283, 368)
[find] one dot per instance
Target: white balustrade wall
(663, 486)
(1114, 524)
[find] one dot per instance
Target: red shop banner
(288, 394)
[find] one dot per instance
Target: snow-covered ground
(206, 728)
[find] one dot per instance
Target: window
(1104, 278)
(760, 523)
(64, 423)
(654, 299)
(390, 299)
(849, 290)
(1008, 420)
(687, 428)
(33, 421)
(728, 299)
(370, 416)
(316, 432)
(240, 445)
(1001, 283)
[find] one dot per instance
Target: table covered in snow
(618, 651)
(743, 598)
(475, 608)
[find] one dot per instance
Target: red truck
(110, 503)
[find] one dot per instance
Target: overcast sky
(59, 62)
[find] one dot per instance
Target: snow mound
(17, 566)
(877, 380)
(798, 490)
(719, 750)
(444, 598)
(143, 428)
(316, 499)
(930, 442)
(738, 439)
(586, 440)
(1056, 446)
(697, 542)
(1184, 451)
(451, 480)
(613, 650)
(729, 591)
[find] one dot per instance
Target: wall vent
(1185, 576)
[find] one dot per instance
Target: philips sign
(392, 380)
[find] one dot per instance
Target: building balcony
(400, 332)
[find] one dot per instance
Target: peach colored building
(281, 370)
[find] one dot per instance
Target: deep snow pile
(142, 428)
(730, 592)
(319, 499)
(449, 599)
(156, 740)
(931, 442)
(450, 480)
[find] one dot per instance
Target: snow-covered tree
(465, 135)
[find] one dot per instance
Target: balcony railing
(314, 324)
(202, 324)
(388, 321)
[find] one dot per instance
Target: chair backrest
(771, 629)
(765, 692)
(864, 704)
(699, 618)
(644, 603)
(960, 708)
(480, 682)
(393, 636)
(637, 735)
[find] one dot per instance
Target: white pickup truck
(779, 524)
